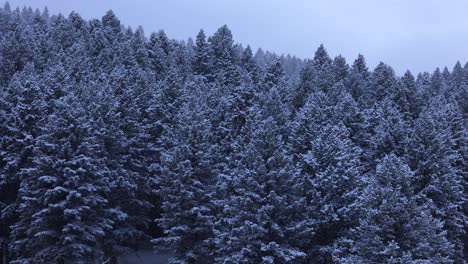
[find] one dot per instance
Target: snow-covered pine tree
(327, 180)
(433, 156)
(224, 56)
(382, 84)
(340, 69)
(326, 177)
(407, 98)
(304, 87)
(184, 183)
(201, 61)
(388, 132)
(63, 210)
(437, 83)
(276, 96)
(17, 45)
(23, 112)
(257, 209)
(357, 78)
(323, 65)
(458, 89)
(394, 228)
(250, 65)
(157, 56)
(316, 75)
(129, 152)
(458, 75)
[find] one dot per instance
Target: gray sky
(419, 35)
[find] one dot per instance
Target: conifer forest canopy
(114, 141)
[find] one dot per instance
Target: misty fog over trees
(114, 140)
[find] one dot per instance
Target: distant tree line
(112, 140)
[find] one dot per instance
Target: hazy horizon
(418, 36)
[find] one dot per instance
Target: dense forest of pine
(113, 140)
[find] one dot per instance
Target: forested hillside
(114, 140)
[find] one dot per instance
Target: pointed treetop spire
(111, 20)
(45, 12)
(247, 56)
(321, 57)
(201, 35)
(408, 76)
(360, 65)
(200, 40)
(7, 7)
(340, 68)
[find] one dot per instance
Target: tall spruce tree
(394, 228)
(224, 57)
(201, 61)
(184, 185)
(63, 209)
(432, 155)
(257, 213)
(22, 115)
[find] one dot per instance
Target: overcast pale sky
(419, 35)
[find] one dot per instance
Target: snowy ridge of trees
(112, 141)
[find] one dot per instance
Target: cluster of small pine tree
(111, 140)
